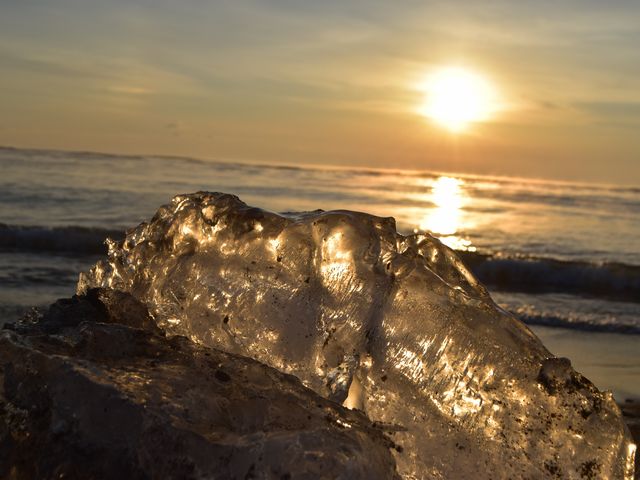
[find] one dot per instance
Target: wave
(66, 239)
(615, 281)
(574, 322)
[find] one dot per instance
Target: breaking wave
(615, 281)
(575, 322)
(67, 239)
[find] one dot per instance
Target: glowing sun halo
(456, 97)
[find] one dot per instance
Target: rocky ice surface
(393, 326)
(94, 390)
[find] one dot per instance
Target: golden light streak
(445, 220)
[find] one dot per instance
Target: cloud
(39, 66)
(614, 111)
(130, 90)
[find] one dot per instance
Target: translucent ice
(393, 325)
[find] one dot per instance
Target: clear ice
(393, 325)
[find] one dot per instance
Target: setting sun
(456, 97)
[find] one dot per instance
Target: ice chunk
(93, 390)
(396, 323)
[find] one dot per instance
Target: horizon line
(315, 166)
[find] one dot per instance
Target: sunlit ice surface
(394, 325)
(456, 97)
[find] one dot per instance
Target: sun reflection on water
(445, 220)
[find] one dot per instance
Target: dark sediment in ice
(93, 389)
(631, 410)
(394, 324)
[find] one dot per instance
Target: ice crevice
(393, 325)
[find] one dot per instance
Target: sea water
(564, 257)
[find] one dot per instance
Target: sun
(456, 97)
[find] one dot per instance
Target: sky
(330, 82)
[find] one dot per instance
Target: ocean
(563, 257)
